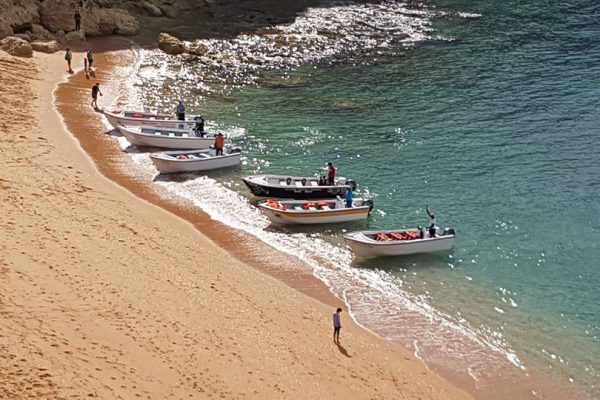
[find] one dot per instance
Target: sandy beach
(104, 294)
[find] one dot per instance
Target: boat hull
(287, 217)
(169, 166)
(399, 248)
(117, 120)
(295, 192)
(166, 142)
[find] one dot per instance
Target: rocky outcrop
(73, 37)
(16, 46)
(5, 28)
(197, 49)
(170, 44)
(49, 47)
(151, 8)
(55, 16)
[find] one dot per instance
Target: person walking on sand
(180, 111)
(337, 325)
(95, 92)
(219, 143)
(77, 20)
(68, 58)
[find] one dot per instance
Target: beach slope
(105, 295)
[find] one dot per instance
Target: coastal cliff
(54, 19)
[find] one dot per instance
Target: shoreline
(243, 246)
(105, 300)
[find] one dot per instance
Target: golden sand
(103, 294)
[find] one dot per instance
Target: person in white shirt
(432, 223)
(337, 325)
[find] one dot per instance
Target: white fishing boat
(167, 138)
(195, 160)
(398, 242)
(315, 212)
(137, 118)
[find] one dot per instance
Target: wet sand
(99, 142)
(104, 294)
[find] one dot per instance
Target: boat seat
(171, 134)
(312, 208)
(185, 134)
(156, 133)
(299, 184)
(325, 208)
(313, 183)
(203, 155)
(283, 183)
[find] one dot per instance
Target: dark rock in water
(16, 46)
(170, 44)
(281, 81)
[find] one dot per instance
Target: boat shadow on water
(220, 175)
(415, 262)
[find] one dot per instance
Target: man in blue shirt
(349, 196)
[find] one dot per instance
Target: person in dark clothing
(77, 20)
(180, 111)
(95, 92)
(337, 325)
(199, 127)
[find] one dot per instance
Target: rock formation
(170, 44)
(49, 47)
(16, 46)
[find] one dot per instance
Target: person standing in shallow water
(95, 92)
(77, 20)
(90, 58)
(337, 325)
(68, 58)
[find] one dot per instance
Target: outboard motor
(369, 203)
(235, 150)
(352, 184)
(449, 231)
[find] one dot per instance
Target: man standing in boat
(219, 143)
(432, 223)
(180, 111)
(349, 196)
(330, 174)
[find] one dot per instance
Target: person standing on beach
(77, 20)
(68, 58)
(337, 325)
(180, 111)
(95, 92)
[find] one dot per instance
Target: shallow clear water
(488, 115)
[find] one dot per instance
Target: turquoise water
(493, 123)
